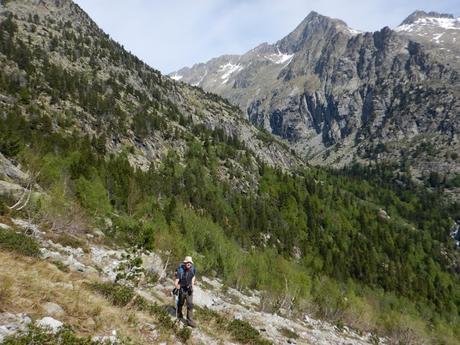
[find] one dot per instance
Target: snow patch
(354, 31)
(176, 77)
(443, 23)
(227, 70)
(437, 37)
(280, 58)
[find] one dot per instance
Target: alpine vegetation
(111, 174)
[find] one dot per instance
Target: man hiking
(184, 282)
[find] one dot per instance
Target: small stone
(50, 324)
(89, 323)
(53, 309)
(4, 226)
(108, 222)
(98, 233)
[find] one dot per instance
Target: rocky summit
(335, 94)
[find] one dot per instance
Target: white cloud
(176, 33)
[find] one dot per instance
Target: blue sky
(170, 34)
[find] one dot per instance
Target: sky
(171, 34)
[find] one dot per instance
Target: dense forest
(363, 246)
(331, 235)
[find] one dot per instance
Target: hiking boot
(190, 321)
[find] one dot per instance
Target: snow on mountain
(227, 70)
(280, 58)
(424, 22)
(176, 77)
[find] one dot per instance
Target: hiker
(184, 282)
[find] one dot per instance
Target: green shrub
(184, 333)
(93, 195)
(117, 294)
(206, 315)
(243, 332)
(18, 243)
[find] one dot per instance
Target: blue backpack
(181, 271)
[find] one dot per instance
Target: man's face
(188, 265)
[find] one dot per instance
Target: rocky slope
(57, 65)
(335, 94)
(70, 270)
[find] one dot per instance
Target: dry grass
(26, 284)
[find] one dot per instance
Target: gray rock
(53, 309)
(50, 324)
(4, 226)
(10, 324)
(11, 173)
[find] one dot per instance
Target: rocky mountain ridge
(337, 95)
(73, 73)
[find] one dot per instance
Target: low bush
(117, 294)
(18, 243)
(243, 332)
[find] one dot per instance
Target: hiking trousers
(185, 297)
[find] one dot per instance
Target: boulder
(53, 309)
(50, 324)
(8, 171)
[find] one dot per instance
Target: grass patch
(18, 243)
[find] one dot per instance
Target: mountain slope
(70, 68)
(335, 94)
(121, 155)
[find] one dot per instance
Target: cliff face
(336, 94)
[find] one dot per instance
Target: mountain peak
(417, 15)
(313, 24)
(421, 21)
